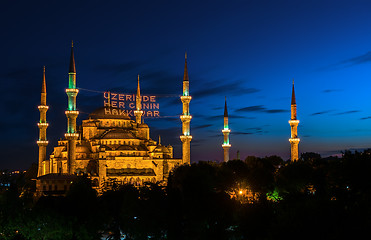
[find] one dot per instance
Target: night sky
(248, 51)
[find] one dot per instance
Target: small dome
(142, 125)
(161, 148)
(118, 134)
(82, 149)
(109, 113)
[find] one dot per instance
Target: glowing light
(226, 130)
(43, 107)
(274, 196)
(42, 124)
(294, 139)
(72, 80)
(138, 112)
(72, 90)
(294, 121)
(72, 112)
(186, 98)
(75, 135)
(226, 145)
(185, 137)
(42, 142)
(240, 192)
(186, 117)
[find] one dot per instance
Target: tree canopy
(258, 198)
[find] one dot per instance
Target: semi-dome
(161, 148)
(82, 149)
(109, 113)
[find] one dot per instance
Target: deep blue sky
(248, 51)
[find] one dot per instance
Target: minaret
(294, 140)
(226, 132)
(43, 125)
(186, 118)
(138, 112)
(71, 114)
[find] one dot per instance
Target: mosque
(109, 147)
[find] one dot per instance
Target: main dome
(109, 113)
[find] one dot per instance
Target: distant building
(110, 147)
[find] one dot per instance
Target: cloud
(257, 108)
(202, 126)
(241, 133)
(360, 59)
(335, 114)
(260, 108)
(320, 113)
(331, 90)
(365, 118)
(347, 112)
(276, 111)
(364, 58)
(226, 88)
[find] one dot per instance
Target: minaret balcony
(42, 142)
(138, 112)
(43, 107)
(226, 130)
(72, 90)
(185, 118)
(294, 121)
(226, 145)
(71, 135)
(186, 99)
(294, 140)
(72, 112)
(185, 138)
(40, 125)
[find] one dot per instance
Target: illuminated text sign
(126, 104)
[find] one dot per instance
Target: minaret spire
(72, 61)
(186, 118)
(43, 125)
(293, 99)
(43, 88)
(185, 77)
(138, 101)
(226, 132)
(71, 113)
(294, 122)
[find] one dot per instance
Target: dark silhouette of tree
(318, 198)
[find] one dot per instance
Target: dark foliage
(315, 198)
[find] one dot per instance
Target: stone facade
(109, 147)
(114, 149)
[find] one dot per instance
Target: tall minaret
(138, 112)
(226, 132)
(294, 122)
(71, 114)
(43, 125)
(186, 118)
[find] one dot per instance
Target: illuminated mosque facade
(110, 148)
